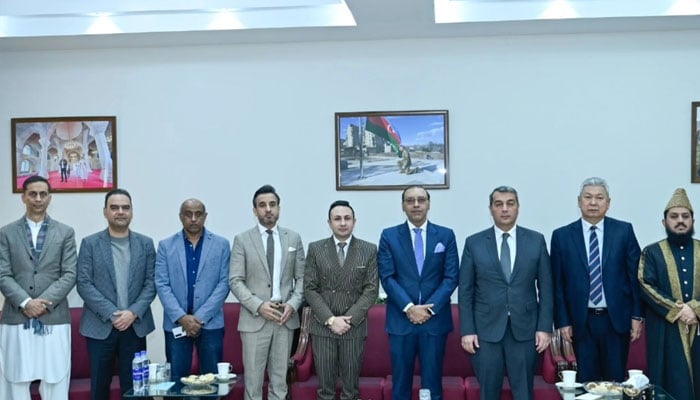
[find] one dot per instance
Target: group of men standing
(512, 291)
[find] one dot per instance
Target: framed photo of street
(695, 143)
(75, 154)
(390, 150)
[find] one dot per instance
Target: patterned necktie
(594, 269)
(270, 253)
(505, 256)
(418, 249)
(341, 253)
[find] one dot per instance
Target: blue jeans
(210, 350)
(119, 345)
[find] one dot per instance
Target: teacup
(223, 369)
(568, 378)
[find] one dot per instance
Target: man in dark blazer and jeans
(116, 269)
(597, 295)
(505, 299)
(340, 284)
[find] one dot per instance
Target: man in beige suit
(340, 284)
(37, 271)
(266, 275)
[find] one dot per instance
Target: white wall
(539, 113)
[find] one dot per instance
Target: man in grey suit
(267, 277)
(340, 284)
(116, 281)
(192, 283)
(37, 271)
(505, 302)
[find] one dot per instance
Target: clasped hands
(191, 325)
(35, 308)
(686, 314)
(470, 343)
(419, 314)
(123, 319)
(341, 325)
(276, 312)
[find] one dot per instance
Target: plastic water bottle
(144, 368)
(137, 373)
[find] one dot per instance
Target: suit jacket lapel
(577, 236)
(21, 231)
(284, 242)
(135, 253)
(405, 239)
(520, 246)
(431, 241)
(50, 234)
(182, 262)
(607, 241)
(492, 249)
(205, 239)
(108, 262)
(257, 244)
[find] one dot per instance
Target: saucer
(225, 378)
(573, 386)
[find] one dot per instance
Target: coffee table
(179, 390)
(571, 394)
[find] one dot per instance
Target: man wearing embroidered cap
(671, 292)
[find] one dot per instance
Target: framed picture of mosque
(390, 150)
(695, 143)
(75, 154)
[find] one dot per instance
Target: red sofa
(458, 382)
(80, 366)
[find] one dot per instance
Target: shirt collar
(263, 230)
(587, 225)
(499, 232)
(347, 242)
(412, 227)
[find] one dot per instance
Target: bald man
(193, 314)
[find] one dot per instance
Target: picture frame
(695, 143)
(75, 154)
(391, 150)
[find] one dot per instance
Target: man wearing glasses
(192, 282)
(419, 268)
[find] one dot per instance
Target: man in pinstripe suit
(340, 284)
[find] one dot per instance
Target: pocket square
(291, 249)
(439, 248)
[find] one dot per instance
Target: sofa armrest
(301, 362)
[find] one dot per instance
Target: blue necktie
(418, 249)
(594, 269)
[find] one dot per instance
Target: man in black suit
(340, 284)
(505, 302)
(63, 164)
(598, 305)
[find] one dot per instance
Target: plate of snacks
(198, 381)
(604, 388)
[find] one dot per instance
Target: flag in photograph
(381, 127)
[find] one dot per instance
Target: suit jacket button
(31, 288)
(268, 285)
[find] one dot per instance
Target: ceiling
(68, 24)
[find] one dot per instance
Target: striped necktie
(594, 268)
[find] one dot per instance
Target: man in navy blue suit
(419, 267)
(505, 299)
(597, 296)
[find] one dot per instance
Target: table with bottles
(214, 391)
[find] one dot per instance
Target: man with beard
(115, 279)
(192, 283)
(267, 277)
(671, 293)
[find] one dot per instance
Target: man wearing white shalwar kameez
(37, 271)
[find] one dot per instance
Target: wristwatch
(640, 319)
(330, 321)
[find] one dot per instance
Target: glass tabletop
(172, 389)
(658, 394)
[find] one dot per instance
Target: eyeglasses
(411, 200)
